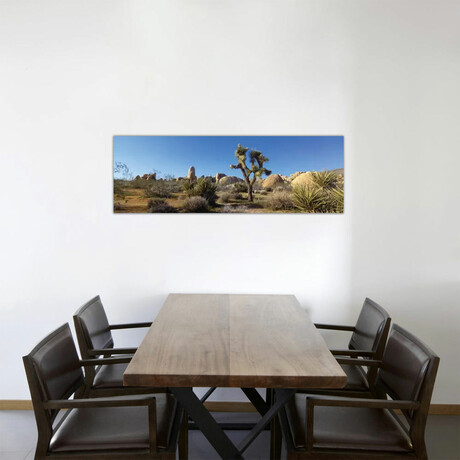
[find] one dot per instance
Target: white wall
(383, 74)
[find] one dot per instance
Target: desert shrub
(268, 189)
(234, 209)
(119, 188)
(201, 188)
(240, 187)
(161, 206)
(263, 192)
(117, 207)
(283, 188)
(196, 204)
(280, 201)
(309, 199)
(161, 189)
(226, 197)
(140, 183)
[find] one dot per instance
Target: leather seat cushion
(109, 376)
(355, 379)
(347, 428)
(103, 428)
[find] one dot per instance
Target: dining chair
(365, 350)
(326, 427)
(94, 336)
(145, 426)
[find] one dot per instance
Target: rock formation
(150, 176)
(219, 176)
(272, 181)
(191, 173)
(227, 180)
(304, 179)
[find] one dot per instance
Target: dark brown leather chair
(365, 350)
(130, 427)
(323, 427)
(95, 339)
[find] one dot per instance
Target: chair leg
(166, 456)
(275, 439)
(183, 437)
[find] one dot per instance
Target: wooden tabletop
(265, 341)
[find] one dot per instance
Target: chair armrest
(334, 327)
(362, 402)
(97, 402)
(100, 361)
(129, 325)
(148, 401)
(360, 362)
(313, 401)
(111, 351)
(353, 353)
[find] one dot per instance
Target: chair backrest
(371, 330)
(408, 372)
(53, 372)
(92, 327)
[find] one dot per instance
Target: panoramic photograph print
(228, 174)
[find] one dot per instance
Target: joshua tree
(257, 167)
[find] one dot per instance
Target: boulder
(148, 176)
(137, 177)
(227, 180)
(219, 176)
(304, 179)
(272, 181)
(296, 174)
(191, 173)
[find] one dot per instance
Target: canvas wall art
(228, 174)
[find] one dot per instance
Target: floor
(18, 438)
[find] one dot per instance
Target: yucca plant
(325, 179)
(203, 188)
(309, 199)
(337, 197)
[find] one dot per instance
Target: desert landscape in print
(228, 174)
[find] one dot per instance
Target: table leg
(282, 397)
(258, 402)
(214, 433)
(276, 439)
(208, 426)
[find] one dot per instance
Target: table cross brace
(214, 433)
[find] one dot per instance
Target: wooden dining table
(229, 340)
